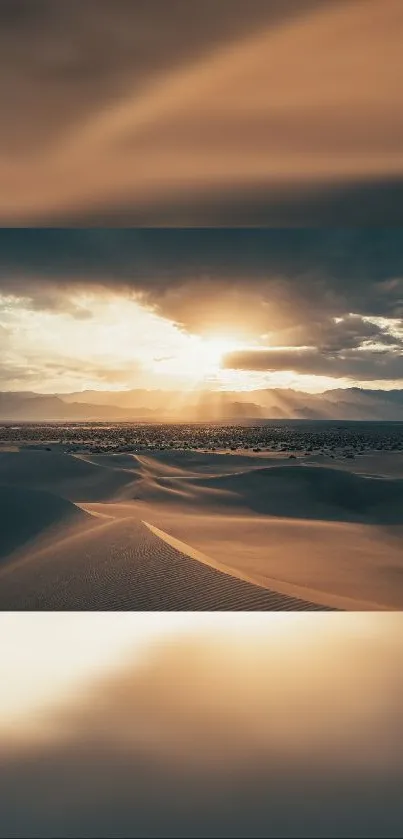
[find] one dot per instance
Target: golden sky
(209, 308)
(123, 345)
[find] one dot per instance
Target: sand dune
(194, 530)
(300, 491)
(123, 565)
(72, 478)
(379, 464)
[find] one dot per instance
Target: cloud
(36, 372)
(271, 277)
(155, 115)
(334, 335)
(359, 365)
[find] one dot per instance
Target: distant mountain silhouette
(38, 407)
(158, 405)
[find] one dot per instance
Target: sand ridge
(123, 565)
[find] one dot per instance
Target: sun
(197, 360)
(216, 348)
(208, 354)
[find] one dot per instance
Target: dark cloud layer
(361, 365)
(331, 270)
(215, 112)
(348, 253)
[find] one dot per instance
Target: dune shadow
(28, 514)
(72, 478)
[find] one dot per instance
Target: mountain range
(172, 406)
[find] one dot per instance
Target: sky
(191, 309)
(217, 112)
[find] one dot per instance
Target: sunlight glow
(208, 354)
(104, 341)
(108, 341)
(197, 361)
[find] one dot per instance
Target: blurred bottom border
(201, 724)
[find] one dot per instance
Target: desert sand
(200, 530)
